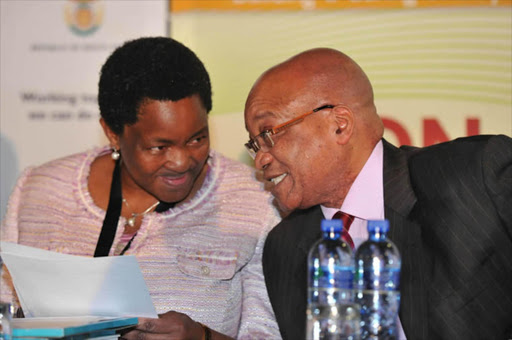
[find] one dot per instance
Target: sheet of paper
(51, 284)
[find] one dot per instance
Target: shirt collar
(365, 199)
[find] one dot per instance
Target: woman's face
(165, 152)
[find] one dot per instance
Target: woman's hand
(170, 325)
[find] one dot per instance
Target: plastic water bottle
(376, 283)
(331, 313)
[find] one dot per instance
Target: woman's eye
(156, 148)
(197, 140)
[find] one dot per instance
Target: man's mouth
(278, 179)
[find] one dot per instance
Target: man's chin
(286, 206)
(283, 209)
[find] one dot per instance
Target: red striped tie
(347, 221)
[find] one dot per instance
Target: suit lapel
(285, 269)
(311, 233)
(399, 201)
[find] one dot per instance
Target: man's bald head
(332, 73)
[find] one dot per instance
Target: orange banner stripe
(190, 5)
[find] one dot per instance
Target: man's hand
(170, 325)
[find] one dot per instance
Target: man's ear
(344, 120)
(112, 137)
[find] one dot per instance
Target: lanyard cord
(108, 230)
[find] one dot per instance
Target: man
(316, 135)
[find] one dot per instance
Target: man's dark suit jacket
(450, 211)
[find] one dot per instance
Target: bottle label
(333, 277)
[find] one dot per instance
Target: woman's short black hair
(157, 68)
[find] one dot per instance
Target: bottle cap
(378, 225)
(335, 225)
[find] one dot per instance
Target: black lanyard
(115, 202)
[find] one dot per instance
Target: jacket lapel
(285, 269)
(399, 201)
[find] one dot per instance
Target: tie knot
(346, 218)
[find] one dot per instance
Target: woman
(195, 220)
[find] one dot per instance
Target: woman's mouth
(175, 180)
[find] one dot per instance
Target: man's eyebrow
(260, 116)
(263, 115)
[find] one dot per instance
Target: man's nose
(262, 159)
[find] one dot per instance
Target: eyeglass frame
(253, 146)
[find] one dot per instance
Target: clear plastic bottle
(331, 312)
(376, 283)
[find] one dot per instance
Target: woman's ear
(344, 119)
(112, 137)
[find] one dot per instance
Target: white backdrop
(51, 54)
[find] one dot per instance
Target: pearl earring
(115, 154)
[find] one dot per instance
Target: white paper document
(51, 284)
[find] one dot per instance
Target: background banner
(441, 69)
(51, 54)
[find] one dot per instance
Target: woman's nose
(178, 159)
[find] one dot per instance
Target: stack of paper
(51, 284)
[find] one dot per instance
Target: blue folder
(69, 327)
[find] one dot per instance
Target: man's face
(299, 163)
(165, 152)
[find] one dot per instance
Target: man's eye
(266, 129)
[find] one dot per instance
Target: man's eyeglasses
(264, 140)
